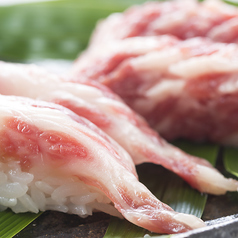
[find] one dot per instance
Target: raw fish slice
(182, 18)
(45, 136)
(186, 89)
(107, 111)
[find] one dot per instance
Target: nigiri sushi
(52, 159)
(106, 110)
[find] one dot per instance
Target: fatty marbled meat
(182, 18)
(52, 139)
(184, 89)
(98, 104)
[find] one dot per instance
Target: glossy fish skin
(98, 104)
(40, 134)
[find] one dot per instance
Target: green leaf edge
(12, 223)
(230, 159)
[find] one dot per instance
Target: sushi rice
(38, 190)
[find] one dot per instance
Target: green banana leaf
(11, 223)
(57, 29)
(232, 2)
(230, 160)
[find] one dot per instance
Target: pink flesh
(214, 120)
(95, 116)
(183, 19)
(109, 113)
(215, 20)
(143, 144)
(199, 111)
(23, 140)
(56, 146)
